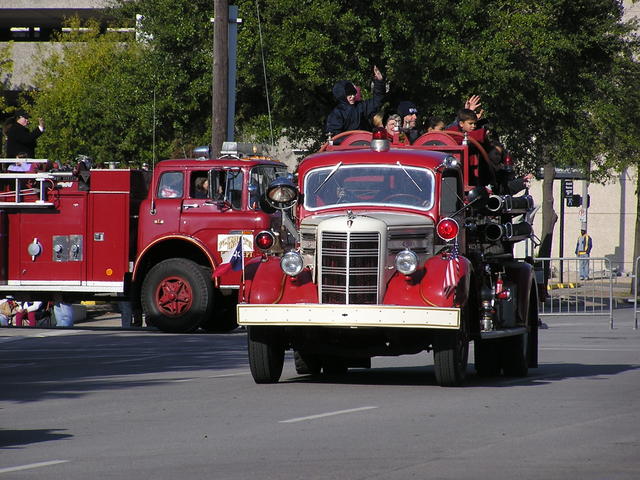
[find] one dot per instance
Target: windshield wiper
(334, 170)
(407, 174)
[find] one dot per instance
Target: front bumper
(325, 315)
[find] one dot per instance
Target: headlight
(291, 263)
(406, 262)
(282, 193)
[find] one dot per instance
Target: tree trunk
(549, 218)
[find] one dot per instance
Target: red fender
(265, 282)
(404, 290)
(426, 286)
(300, 289)
(432, 288)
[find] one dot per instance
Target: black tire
(266, 353)
(521, 352)
(513, 356)
(307, 364)
(450, 357)
(487, 357)
(334, 366)
(177, 295)
(224, 318)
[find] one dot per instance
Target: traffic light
(574, 200)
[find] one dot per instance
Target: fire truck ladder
(16, 198)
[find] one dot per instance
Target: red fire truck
(396, 249)
(147, 237)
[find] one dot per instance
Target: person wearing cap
(583, 251)
(20, 139)
(409, 113)
(351, 114)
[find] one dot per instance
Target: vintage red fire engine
(396, 249)
(131, 235)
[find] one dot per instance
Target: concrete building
(610, 219)
(27, 24)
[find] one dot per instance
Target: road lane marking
(328, 414)
(31, 465)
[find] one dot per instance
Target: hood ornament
(350, 218)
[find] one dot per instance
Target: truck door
(168, 203)
(221, 212)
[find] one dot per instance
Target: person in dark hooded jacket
(351, 114)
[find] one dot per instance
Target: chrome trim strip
(348, 315)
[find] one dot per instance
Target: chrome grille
(349, 267)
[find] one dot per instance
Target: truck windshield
(382, 185)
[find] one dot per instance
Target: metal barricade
(577, 286)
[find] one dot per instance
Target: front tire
(177, 295)
(450, 357)
(266, 353)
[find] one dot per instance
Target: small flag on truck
(231, 260)
(453, 270)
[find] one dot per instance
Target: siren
(380, 140)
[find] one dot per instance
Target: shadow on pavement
(425, 376)
(70, 366)
(16, 438)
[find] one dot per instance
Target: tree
(6, 69)
(96, 94)
(547, 71)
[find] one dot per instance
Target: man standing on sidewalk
(583, 249)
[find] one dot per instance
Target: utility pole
(220, 86)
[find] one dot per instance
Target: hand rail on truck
(18, 193)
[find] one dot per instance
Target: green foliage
(557, 78)
(97, 96)
(6, 69)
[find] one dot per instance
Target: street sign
(563, 174)
(574, 201)
(567, 188)
(582, 215)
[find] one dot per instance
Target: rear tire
(487, 357)
(225, 317)
(307, 364)
(266, 353)
(450, 357)
(334, 366)
(514, 356)
(177, 295)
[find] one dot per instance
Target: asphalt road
(78, 404)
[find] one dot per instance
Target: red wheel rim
(174, 296)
